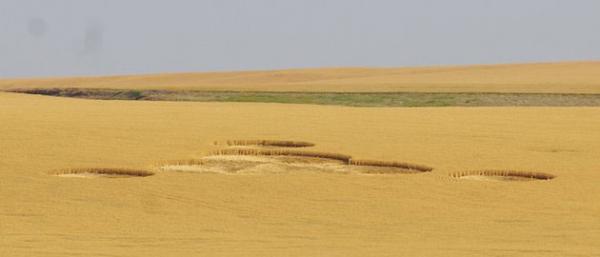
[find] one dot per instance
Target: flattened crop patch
(267, 143)
(502, 175)
(267, 161)
(101, 173)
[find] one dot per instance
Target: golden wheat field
(561, 77)
(126, 178)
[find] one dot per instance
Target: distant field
(365, 99)
(566, 77)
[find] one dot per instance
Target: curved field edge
(370, 99)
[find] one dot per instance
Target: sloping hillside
(566, 77)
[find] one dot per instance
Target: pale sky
(104, 37)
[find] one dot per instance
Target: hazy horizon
(104, 37)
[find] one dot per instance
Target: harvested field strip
(401, 165)
(370, 99)
(268, 152)
(275, 143)
(106, 172)
(505, 173)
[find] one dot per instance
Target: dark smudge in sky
(37, 27)
(93, 38)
